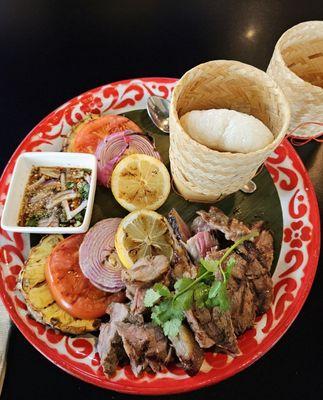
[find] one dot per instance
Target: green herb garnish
(70, 185)
(63, 224)
(79, 217)
(32, 221)
(208, 289)
(83, 190)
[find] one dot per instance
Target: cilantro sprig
(208, 289)
(83, 189)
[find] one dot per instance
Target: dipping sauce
(55, 196)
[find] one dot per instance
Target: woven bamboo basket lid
(203, 174)
(297, 67)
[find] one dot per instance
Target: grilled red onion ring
(96, 253)
(113, 147)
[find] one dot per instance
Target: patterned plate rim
(126, 95)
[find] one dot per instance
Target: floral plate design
(293, 275)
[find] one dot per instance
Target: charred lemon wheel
(140, 181)
(142, 233)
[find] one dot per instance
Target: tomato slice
(72, 291)
(90, 133)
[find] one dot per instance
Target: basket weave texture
(206, 175)
(297, 67)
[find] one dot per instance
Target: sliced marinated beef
(242, 302)
(144, 273)
(180, 228)
(201, 336)
(137, 305)
(182, 266)
(263, 289)
(215, 219)
(200, 225)
(264, 243)
(189, 353)
(181, 263)
(242, 307)
(258, 276)
(213, 327)
(148, 269)
(199, 244)
(145, 345)
(110, 346)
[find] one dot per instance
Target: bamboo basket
(297, 67)
(206, 175)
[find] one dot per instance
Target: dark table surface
(53, 50)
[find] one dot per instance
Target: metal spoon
(158, 111)
(249, 187)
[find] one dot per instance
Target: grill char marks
(250, 286)
(146, 346)
(110, 346)
(129, 336)
(215, 219)
(143, 274)
(212, 327)
(258, 276)
(264, 243)
(181, 263)
(242, 305)
(179, 227)
(188, 351)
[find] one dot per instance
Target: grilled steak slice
(199, 244)
(144, 273)
(180, 228)
(258, 276)
(215, 219)
(181, 263)
(212, 327)
(148, 269)
(240, 291)
(189, 353)
(201, 336)
(242, 306)
(110, 346)
(200, 225)
(264, 243)
(137, 305)
(145, 345)
(263, 290)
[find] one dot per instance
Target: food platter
(285, 196)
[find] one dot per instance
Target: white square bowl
(19, 179)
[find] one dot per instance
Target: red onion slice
(97, 246)
(113, 147)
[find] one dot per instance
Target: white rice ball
(226, 130)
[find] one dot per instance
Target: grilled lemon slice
(140, 181)
(39, 300)
(142, 233)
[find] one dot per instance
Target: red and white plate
(293, 276)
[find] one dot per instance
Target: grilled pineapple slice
(39, 300)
